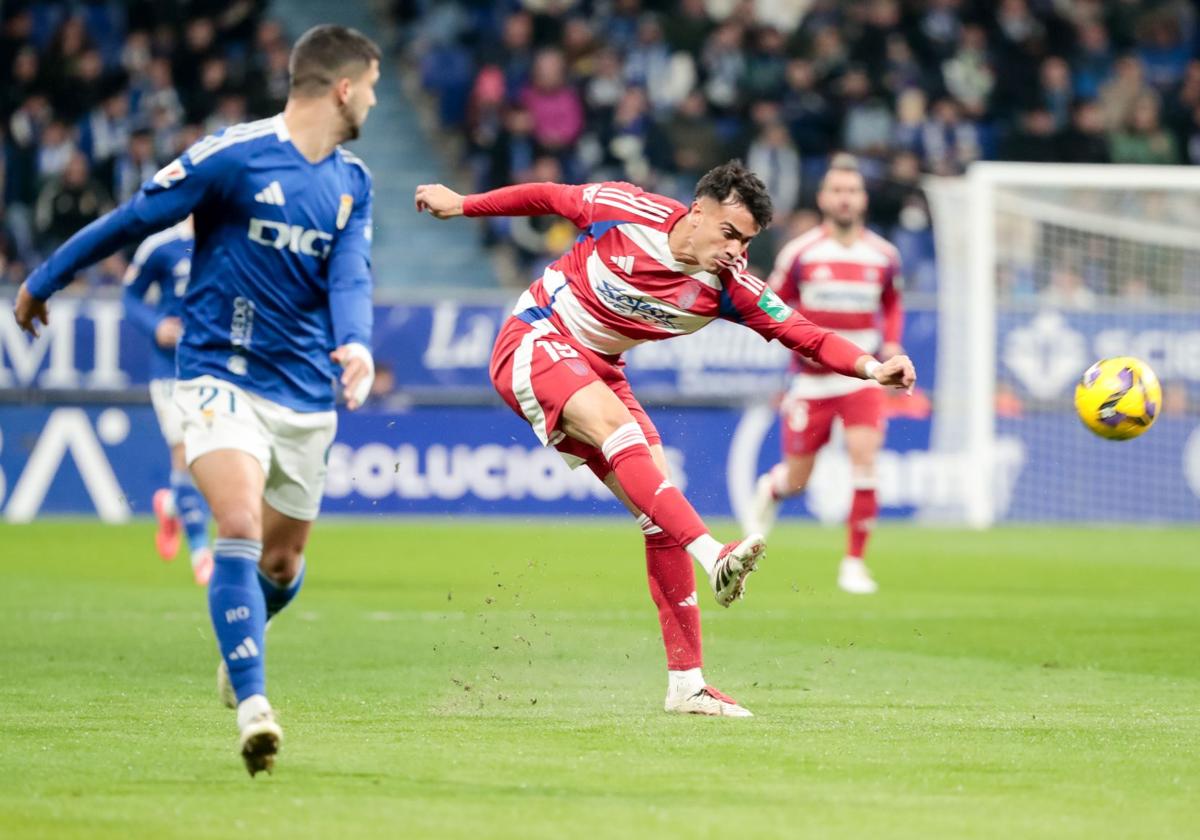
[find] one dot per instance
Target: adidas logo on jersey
(689, 601)
(624, 263)
(246, 649)
(272, 193)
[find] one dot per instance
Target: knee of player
(241, 524)
(281, 563)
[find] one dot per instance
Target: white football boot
(736, 560)
(855, 578)
(706, 701)
(259, 734)
(763, 508)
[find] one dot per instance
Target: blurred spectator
(68, 202)
(666, 75)
(766, 66)
(773, 157)
(1144, 140)
(553, 105)
(688, 27)
(1057, 93)
(910, 119)
(723, 63)
(807, 110)
(1093, 60)
(57, 149)
(1086, 141)
(105, 132)
(692, 139)
(1120, 92)
(948, 142)
(1162, 48)
(135, 165)
(1035, 139)
(867, 120)
(968, 74)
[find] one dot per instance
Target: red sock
(628, 453)
(673, 588)
(863, 510)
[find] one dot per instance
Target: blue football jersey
(281, 264)
(155, 284)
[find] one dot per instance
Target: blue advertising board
(436, 457)
(435, 350)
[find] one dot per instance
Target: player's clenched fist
(896, 372)
(441, 202)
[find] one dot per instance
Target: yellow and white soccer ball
(1118, 398)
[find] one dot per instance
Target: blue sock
(239, 614)
(278, 595)
(193, 510)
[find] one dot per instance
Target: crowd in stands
(97, 96)
(656, 92)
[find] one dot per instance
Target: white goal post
(1042, 269)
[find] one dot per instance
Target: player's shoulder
(796, 247)
(879, 243)
(162, 242)
(632, 200)
(356, 166)
(238, 141)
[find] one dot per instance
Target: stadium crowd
(656, 92)
(99, 95)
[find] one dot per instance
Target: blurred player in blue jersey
(279, 296)
(154, 287)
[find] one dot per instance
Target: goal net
(1044, 269)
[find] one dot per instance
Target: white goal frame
(967, 308)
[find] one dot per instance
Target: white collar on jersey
(281, 129)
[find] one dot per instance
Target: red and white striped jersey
(846, 288)
(619, 285)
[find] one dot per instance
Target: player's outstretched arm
(542, 199)
(162, 201)
(759, 308)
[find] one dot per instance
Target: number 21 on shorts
(214, 399)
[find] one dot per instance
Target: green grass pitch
(474, 680)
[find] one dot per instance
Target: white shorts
(292, 446)
(170, 419)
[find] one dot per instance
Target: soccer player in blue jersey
(155, 283)
(279, 295)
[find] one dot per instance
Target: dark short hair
(327, 53)
(733, 183)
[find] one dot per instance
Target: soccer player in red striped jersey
(842, 276)
(645, 268)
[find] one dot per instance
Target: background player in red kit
(842, 276)
(646, 268)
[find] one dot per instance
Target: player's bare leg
(787, 478)
(170, 529)
(673, 590)
(862, 445)
(186, 510)
(281, 571)
(597, 416)
(232, 482)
